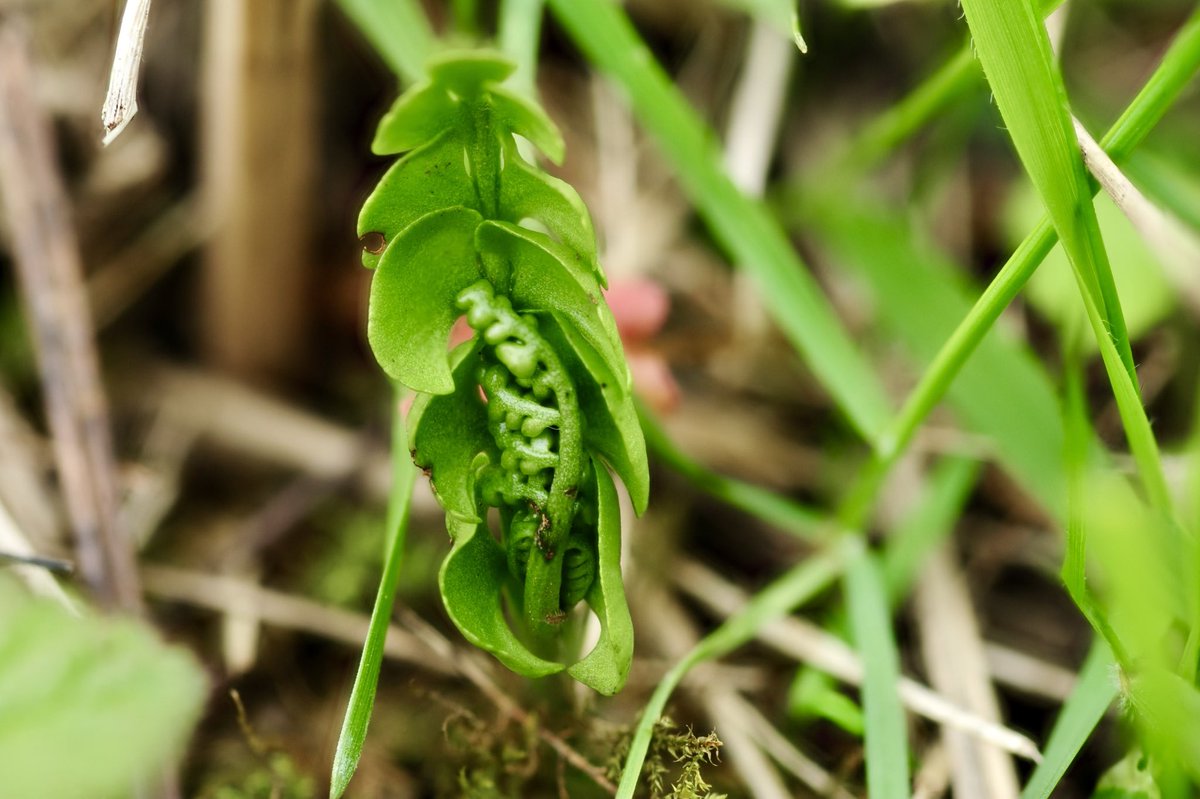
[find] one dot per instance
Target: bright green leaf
(606, 667)
(413, 298)
(611, 428)
(472, 581)
(466, 72)
(419, 115)
(449, 432)
(547, 276)
(1167, 710)
(528, 193)
(527, 119)
(432, 178)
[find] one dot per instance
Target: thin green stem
(797, 586)
(362, 696)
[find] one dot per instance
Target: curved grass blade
(362, 696)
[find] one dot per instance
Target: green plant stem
(519, 31)
(782, 512)
(797, 586)
(744, 227)
(362, 696)
(1178, 66)
(398, 30)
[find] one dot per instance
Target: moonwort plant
(527, 417)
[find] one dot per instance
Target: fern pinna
(529, 415)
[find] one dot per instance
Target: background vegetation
(923, 516)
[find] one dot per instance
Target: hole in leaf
(374, 242)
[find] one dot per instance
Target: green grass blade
(362, 696)
(744, 227)
(1094, 692)
(1178, 66)
(794, 588)
(782, 512)
(884, 733)
(1015, 53)
(1012, 45)
(398, 30)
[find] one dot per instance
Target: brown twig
(46, 254)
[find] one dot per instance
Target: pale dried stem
(247, 421)
(954, 657)
(790, 758)
(675, 634)
(120, 102)
(1176, 247)
(238, 597)
(932, 779)
(50, 273)
(750, 139)
(1029, 674)
(125, 278)
(24, 489)
(420, 645)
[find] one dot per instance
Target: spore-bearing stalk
(534, 418)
